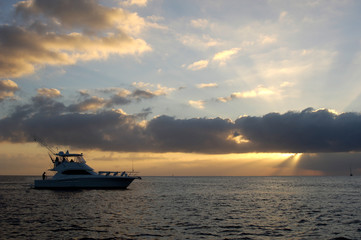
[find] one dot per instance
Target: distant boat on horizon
(351, 172)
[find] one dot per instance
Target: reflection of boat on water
(73, 172)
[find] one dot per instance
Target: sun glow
(193, 164)
(238, 139)
(34, 160)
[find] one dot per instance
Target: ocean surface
(186, 208)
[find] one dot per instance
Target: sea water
(186, 208)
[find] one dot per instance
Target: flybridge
(67, 157)
(67, 154)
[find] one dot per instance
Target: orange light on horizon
(34, 159)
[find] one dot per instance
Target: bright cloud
(207, 85)
(49, 92)
(153, 89)
(197, 104)
(197, 42)
(198, 65)
(141, 3)
(220, 57)
(260, 91)
(7, 89)
(90, 104)
(224, 56)
(56, 34)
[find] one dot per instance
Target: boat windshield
(67, 157)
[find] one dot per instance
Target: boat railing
(122, 174)
(112, 173)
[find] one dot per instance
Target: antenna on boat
(44, 144)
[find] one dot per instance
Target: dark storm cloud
(111, 129)
(106, 130)
(47, 118)
(307, 131)
(191, 135)
(14, 127)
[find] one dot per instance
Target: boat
(73, 172)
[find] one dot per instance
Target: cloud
(190, 135)
(7, 89)
(197, 42)
(220, 57)
(149, 90)
(308, 131)
(118, 99)
(162, 90)
(112, 97)
(224, 56)
(65, 32)
(266, 39)
(112, 129)
(199, 23)
(198, 65)
(197, 104)
(85, 14)
(49, 92)
(143, 94)
(90, 104)
(88, 101)
(22, 50)
(140, 3)
(207, 85)
(282, 16)
(260, 91)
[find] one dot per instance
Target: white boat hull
(85, 182)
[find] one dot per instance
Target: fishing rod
(44, 144)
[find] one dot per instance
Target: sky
(190, 88)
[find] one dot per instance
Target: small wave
(206, 234)
(356, 221)
(198, 227)
(340, 238)
(303, 221)
(231, 227)
(143, 235)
